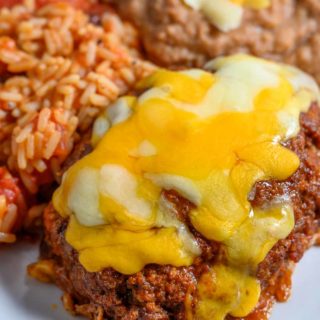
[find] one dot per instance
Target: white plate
(22, 298)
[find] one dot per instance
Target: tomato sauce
(9, 187)
(9, 3)
(79, 4)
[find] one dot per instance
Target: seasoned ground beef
(175, 35)
(159, 292)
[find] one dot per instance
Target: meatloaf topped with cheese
(198, 198)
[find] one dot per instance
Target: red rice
(72, 68)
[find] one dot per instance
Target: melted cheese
(226, 290)
(226, 15)
(210, 137)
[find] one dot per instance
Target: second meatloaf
(176, 35)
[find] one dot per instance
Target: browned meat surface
(159, 292)
(175, 35)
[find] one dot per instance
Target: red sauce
(9, 187)
(7, 43)
(79, 4)
(9, 3)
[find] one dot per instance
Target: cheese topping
(210, 137)
(226, 15)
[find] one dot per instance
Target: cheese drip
(210, 137)
(226, 15)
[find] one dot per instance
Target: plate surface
(22, 298)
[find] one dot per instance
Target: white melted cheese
(121, 186)
(182, 185)
(116, 113)
(145, 149)
(226, 15)
(84, 198)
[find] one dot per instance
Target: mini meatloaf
(176, 35)
(159, 292)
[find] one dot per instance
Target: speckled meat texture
(175, 35)
(159, 292)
